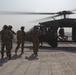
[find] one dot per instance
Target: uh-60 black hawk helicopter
(49, 28)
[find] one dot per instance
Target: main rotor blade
(47, 18)
(74, 10)
(24, 13)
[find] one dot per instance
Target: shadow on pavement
(15, 56)
(32, 57)
(48, 48)
(3, 60)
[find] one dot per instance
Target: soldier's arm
(13, 32)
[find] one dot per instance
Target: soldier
(20, 39)
(61, 32)
(6, 36)
(35, 40)
(10, 28)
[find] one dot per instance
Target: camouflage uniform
(20, 39)
(10, 28)
(35, 40)
(6, 36)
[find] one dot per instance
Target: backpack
(20, 35)
(6, 35)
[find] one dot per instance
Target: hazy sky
(31, 6)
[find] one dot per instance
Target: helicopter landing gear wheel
(54, 44)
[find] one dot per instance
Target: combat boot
(9, 56)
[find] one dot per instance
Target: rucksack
(6, 35)
(20, 35)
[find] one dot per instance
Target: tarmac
(50, 61)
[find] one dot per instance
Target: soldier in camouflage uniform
(61, 32)
(10, 28)
(35, 39)
(6, 36)
(20, 39)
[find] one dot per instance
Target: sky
(31, 6)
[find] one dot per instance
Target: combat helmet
(10, 27)
(22, 27)
(5, 27)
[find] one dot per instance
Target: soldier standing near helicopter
(61, 32)
(35, 39)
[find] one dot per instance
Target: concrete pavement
(50, 61)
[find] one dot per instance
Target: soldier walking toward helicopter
(10, 28)
(20, 40)
(6, 36)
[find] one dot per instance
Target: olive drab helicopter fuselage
(49, 28)
(49, 31)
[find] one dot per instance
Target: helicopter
(49, 28)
